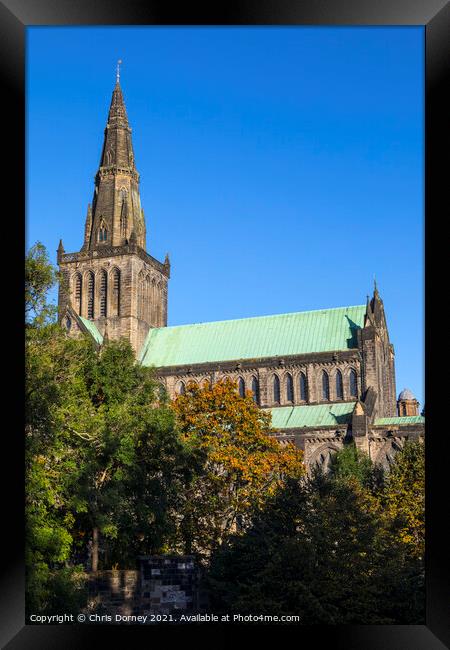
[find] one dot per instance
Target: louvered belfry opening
(103, 293)
(90, 295)
(78, 292)
(116, 293)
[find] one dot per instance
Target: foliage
(350, 462)
(243, 465)
(102, 454)
(326, 549)
(40, 276)
(404, 497)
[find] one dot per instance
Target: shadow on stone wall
(161, 585)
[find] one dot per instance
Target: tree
(40, 277)
(404, 496)
(49, 364)
(131, 464)
(323, 549)
(350, 462)
(243, 464)
(104, 462)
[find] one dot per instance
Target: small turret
(407, 404)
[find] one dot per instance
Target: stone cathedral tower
(112, 281)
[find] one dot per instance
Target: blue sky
(281, 168)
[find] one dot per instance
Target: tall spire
(116, 206)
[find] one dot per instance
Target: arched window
(404, 409)
(241, 387)
(325, 386)
(353, 381)
(78, 292)
(103, 292)
(116, 292)
(303, 388)
(289, 388)
(68, 323)
(339, 386)
(255, 390)
(276, 389)
(90, 294)
(102, 232)
(180, 388)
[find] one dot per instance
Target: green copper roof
(316, 415)
(407, 419)
(252, 338)
(90, 325)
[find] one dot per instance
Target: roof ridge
(234, 320)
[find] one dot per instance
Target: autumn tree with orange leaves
(243, 464)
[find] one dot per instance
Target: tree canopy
(243, 464)
(329, 550)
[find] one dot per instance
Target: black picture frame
(15, 16)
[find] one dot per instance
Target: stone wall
(115, 592)
(264, 371)
(168, 583)
(125, 316)
(162, 584)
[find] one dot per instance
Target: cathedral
(327, 376)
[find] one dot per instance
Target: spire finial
(375, 288)
(118, 70)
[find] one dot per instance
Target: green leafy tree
(130, 461)
(49, 362)
(40, 277)
(326, 549)
(350, 462)
(105, 466)
(404, 496)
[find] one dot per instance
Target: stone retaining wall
(162, 584)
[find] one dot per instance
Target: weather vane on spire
(118, 70)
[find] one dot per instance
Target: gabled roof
(303, 332)
(314, 415)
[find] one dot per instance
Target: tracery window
(303, 388)
(325, 386)
(289, 388)
(353, 381)
(276, 389)
(241, 387)
(339, 386)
